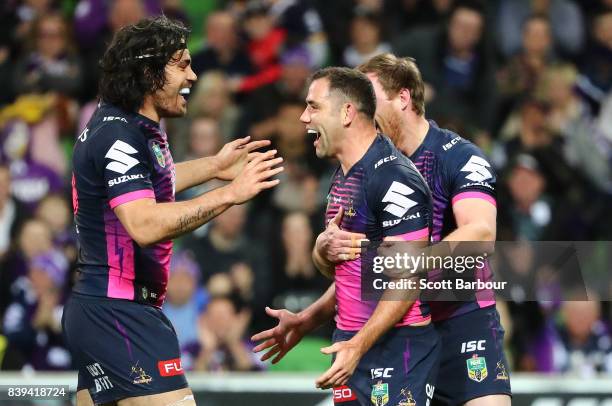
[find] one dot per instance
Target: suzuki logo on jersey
(343, 394)
(477, 167)
(124, 178)
(381, 372)
(171, 367)
(399, 204)
(470, 346)
(120, 154)
(391, 223)
(385, 160)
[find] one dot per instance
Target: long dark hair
(134, 64)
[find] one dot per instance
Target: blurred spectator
(297, 282)
(262, 105)
(521, 73)
(212, 98)
(571, 117)
(204, 141)
(304, 27)
(264, 45)
(226, 245)
(55, 211)
(95, 23)
(204, 138)
(223, 51)
(22, 16)
(11, 215)
(586, 343)
(366, 38)
(530, 209)
(565, 17)
(51, 63)
(32, 321)
(185, 301)
(457, 67)
(31, 180)
(223, 338)
(596, 63)
(579, 343)
(409, 14)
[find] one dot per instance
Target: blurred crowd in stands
(529, 81)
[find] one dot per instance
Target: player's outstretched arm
(291, 327)
(225, 165)
(148, 222)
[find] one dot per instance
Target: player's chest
(348, 193)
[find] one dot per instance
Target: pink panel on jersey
(131, 196)
(353, 313)
(475, 195)
(75, 196)
(120, 253)
(414, 235)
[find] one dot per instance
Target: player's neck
(148, 110)
(356, 144)
(413, 133)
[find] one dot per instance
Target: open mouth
(184, 91)
(314, 133)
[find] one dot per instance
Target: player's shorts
(121, 348)
(472, 363)
(400, 367)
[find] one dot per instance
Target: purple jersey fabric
(383, 195)
(120, 157)
(454, 169)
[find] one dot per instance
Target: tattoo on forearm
(186, 222)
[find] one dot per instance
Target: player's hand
(234, 156)
(347, 358)
(255, 176)
(336, 245)
(282, 338)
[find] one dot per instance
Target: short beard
(163, 112)
(393, 129)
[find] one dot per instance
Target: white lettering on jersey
(385, 160)
(83, 135)
(399, 204)
(124, 178)
(451, 143)
(111, 118)
(478, 169)
(122, 162)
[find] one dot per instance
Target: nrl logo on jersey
(161, 160)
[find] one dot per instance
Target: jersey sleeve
(400, 201)
(122, 159)
(470, 174)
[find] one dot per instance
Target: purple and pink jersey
(454, 169)
(383, 195)
(120, 157)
